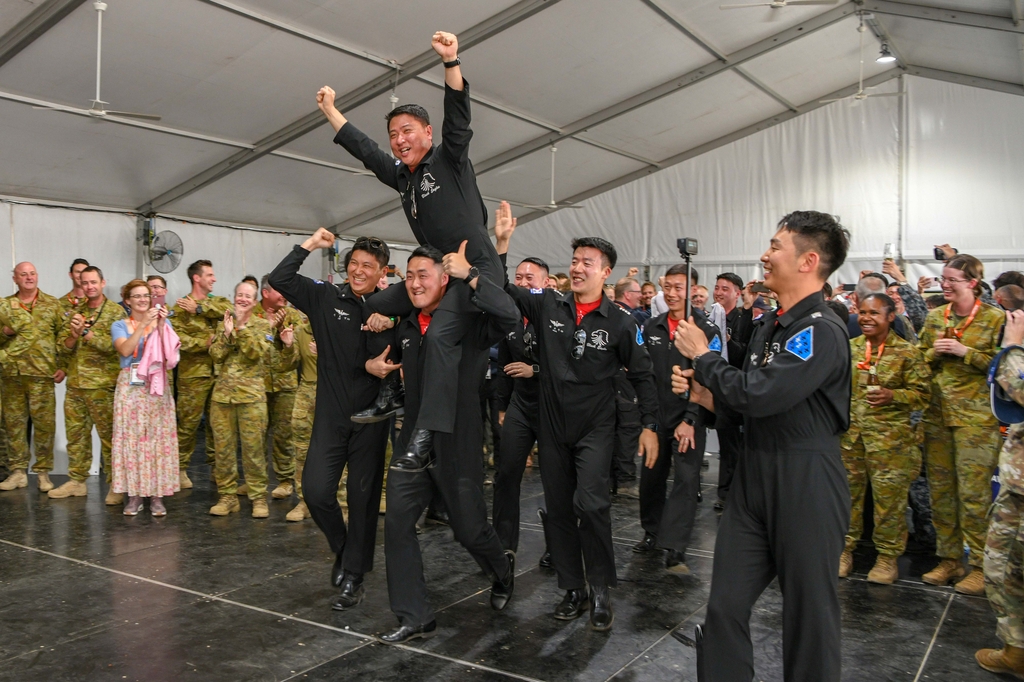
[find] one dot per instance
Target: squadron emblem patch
(716, 344)
(802, 345)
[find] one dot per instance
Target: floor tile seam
(329, 660)
(935, 637)
(909, 585)
(658, 641)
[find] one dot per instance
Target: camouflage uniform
(1004, 546)
(195, 373)
(881, 444)
(93, 366)
(961, 435)
(28, 379)
(282, 382)
(305, 399)
(238, 405)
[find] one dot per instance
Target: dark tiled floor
(88, 594)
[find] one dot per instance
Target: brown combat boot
(183, 480)
(44, 482)
(885, 571)
(946, 572)
(72, 488)
(283, 490)
(17, 479)
(259, 508)
(1009, 660)
(113, 499)
(225, 505)
(243, 490)
(845, 564)
(300, 513)
(973, 584)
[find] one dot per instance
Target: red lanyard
(142, 341)
(867, 356)
(959, 331)
(33, 304)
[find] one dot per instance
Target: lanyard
(959, 331)
(142, 341)
(99, 312)
(31, 305)
(867, 364)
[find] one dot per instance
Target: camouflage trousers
(302, 427)
(245, 422)
(891, 472)
(83, 409)
(1004, 566)
(960, 461)
(280, 405)
(192, 403)
(24, 398)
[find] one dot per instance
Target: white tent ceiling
(622, 87)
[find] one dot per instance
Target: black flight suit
(739, 324)
(577, 424)
(444, 207)
(458, 473)
(789, 507)
(344, 387)
(627, 419)
(672, 521)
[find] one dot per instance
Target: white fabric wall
(963, 164)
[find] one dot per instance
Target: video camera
(687, 246)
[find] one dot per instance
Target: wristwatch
(474, 272)
(452, 63)
(536, 369)
(652, 427)
(199, 309)
(687, 420)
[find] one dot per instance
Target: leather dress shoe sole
(413, 469)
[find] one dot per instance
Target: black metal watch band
(452, 63)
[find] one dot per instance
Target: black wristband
(452, 63)
(651, 427)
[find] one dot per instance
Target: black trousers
(730, 445)
(671, 521)
(627, 439)
(459, 478)
(455, 316)
(518, 436)
(333, 444)
(575, 478)
(490, 406)
(787, 516)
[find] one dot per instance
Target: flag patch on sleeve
(802, 345)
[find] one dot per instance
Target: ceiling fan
(779, 4)
(552, 205)
(99, 107)
(862, 93)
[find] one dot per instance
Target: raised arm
(356, 142)
(299, 290)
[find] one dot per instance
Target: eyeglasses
(581, 343)
(139, 297)
(950, 280)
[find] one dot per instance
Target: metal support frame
(964, 79)
(946, 16)
(40, 20)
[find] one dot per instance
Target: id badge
(133, 375)
(862, 377)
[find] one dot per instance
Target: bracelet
(698, 357)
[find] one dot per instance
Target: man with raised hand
(441, 200)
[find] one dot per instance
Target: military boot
(946, 572)
(113, 499)
(1009, 660)
(885, 571)
(44, 482)
(242, 490)
(72, 488)
(260, 510)
(973, 584)
(300, 513)
(183, 480)
(225, 505)
(845, 563)
(17, 479)
(283, 490)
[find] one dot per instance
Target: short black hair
(606, 248)
(78, 261)
(252, 279)
(414, 110)
(536, 261)
(1010, 277)
(885, 299)
(373, 246)
(93, 268)
(841, 311)
(677, 269)
(934, 301)
(821, 233)
(731, 278)
(826, 289)
(197, 269)
(427, 251)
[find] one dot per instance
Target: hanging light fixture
(885, 57)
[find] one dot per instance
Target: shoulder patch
(815, 314)
(536, 291)
(802, 345)
(716, 344)
(270, 337)
(318, 281)
(639, 336)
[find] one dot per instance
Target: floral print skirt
(144, 458)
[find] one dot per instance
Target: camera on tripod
(687, 246)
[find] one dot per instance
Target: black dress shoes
(408, 632)
(601, 615)
(719, 504)
(572, 605)
(390, 401)
(438, 516)
(545, 560)
(648, 544)
(337, 572)
(420, 454)
(501, 590)
(675, 562)
(351, 593)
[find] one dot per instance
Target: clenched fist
(446, 45)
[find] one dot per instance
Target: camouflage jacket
(69, 302)
(12, 348)
(241, 376)
(959, 388)
(194, 331)
(915, 306)
(901, 369)
(1011, 459)
(93, 362)
(40, 359)
(303, 337)
(281, 361)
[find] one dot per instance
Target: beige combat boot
(1009, 660)
(72, 488)
(885, 571)
(225, 505)
(113, 499)
(946, 572)
(973, 584)
(183, 480)
(17, 479)
(283, 490)
(44, 482)
(243, 490)
(260, 510)
(300, 513)
(845, 564)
